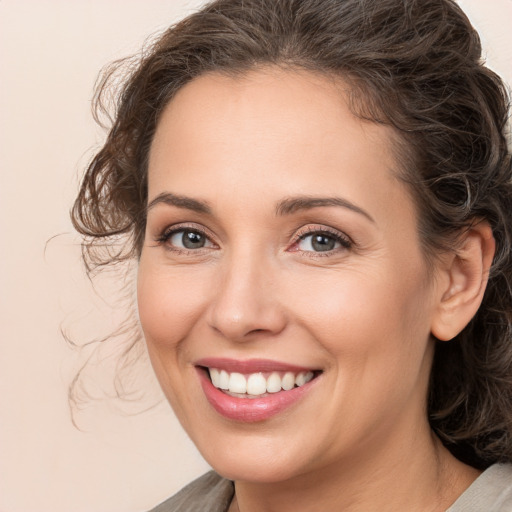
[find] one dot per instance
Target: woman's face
(280, 247)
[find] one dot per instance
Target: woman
(319, 197)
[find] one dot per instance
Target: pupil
(193, 240)
(323, 243)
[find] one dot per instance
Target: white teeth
(237, 383)
(214, 375)
(223, 379)
(288, 381)
(300, 380)
(273, 383)
(256, 384)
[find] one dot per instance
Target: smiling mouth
(259, 384)
(254, 390)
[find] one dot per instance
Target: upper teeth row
(256, 383)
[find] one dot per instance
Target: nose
(246, 301)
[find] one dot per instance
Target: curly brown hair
(415, 65)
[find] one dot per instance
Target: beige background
(50, 53)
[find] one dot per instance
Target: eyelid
(305, 231)
(308, 230)
(165, 234)
(321, 228)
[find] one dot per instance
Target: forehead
(270, 130)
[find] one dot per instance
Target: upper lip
(250, 365)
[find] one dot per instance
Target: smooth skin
(233, 167)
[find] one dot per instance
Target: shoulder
(209, 493)
(491, 491)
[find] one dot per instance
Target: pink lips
(250, 410)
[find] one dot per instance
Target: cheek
(361, 314)
(169, 304)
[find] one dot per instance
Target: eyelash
(344, 241)
(169, 232)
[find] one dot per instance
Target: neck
(422, 475)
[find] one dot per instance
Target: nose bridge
(245, 300)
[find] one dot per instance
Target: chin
(262, 459)
(249, 471)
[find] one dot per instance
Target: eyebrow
(294, 204)
(180, 202)
(287, 206)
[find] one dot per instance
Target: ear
(462, 280)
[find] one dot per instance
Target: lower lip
(251, 410)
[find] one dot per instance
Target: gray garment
(209, 493)
(490, 492)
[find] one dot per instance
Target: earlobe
(465, 276)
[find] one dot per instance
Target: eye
(321, 241)
(318, 242)
(186, 238)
